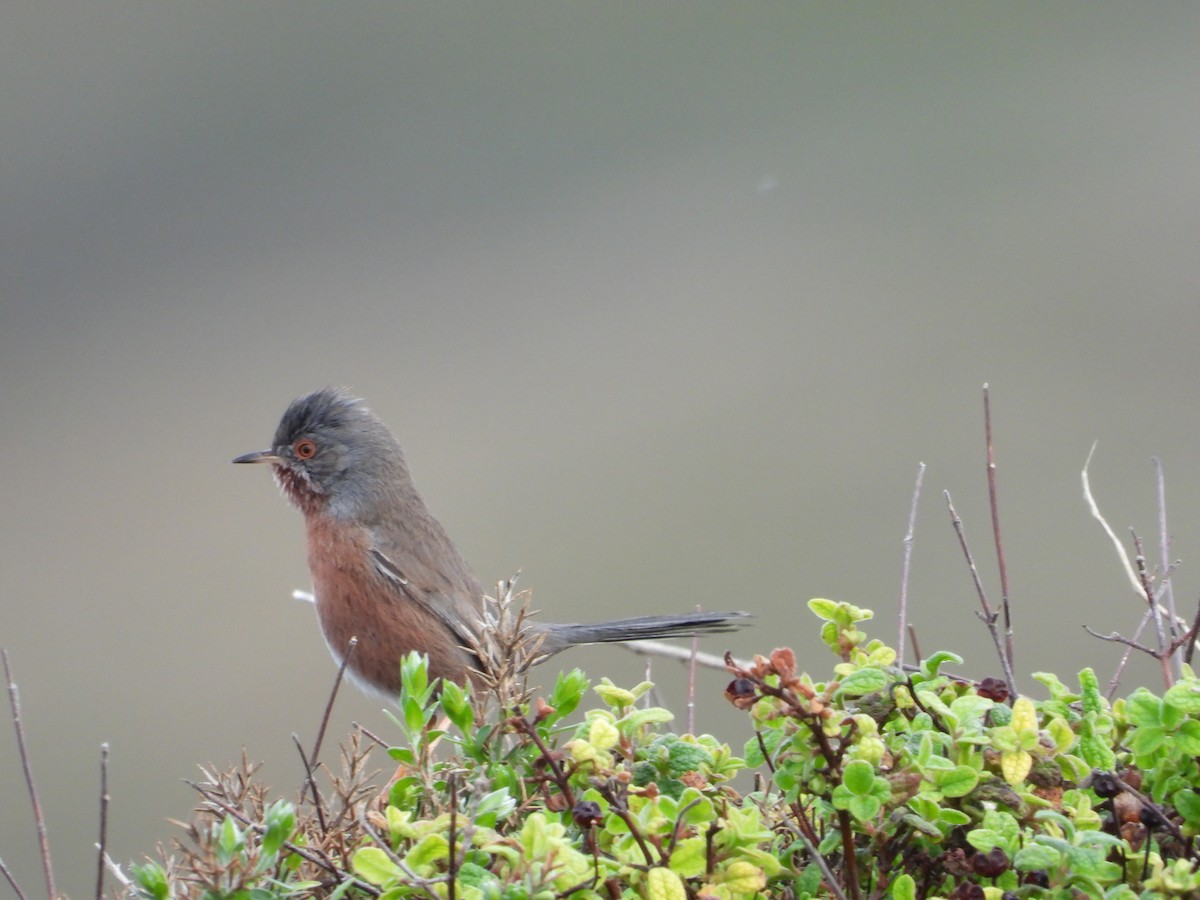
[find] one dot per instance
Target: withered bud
(587, 813)
(741, 692)
(993, 689)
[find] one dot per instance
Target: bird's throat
(299, 490)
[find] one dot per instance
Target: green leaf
(229, 840)
(768, 862)
(1185, 695)
(984, 839)
(859, 777)
(1061, 733)
(1187, 738)
(864, 808)
(494, 806)
(151, 880)
(403, 755)
(650, 715)
(684, 757)
(373, 865)
(823, 609)
(1143, 708)
(456, 704)
(930, 667)
(970, 710)
(618, 697)
(955, 817)
(1187, 801)
(568, 692)
(280, 821)
(663, 884)
(1035, 857)
(743, 877)
(1015, 765)
(958, 782)
(414, 675)
(864, 681)
(690, 857)
(1147, 740)
(904, 888)
(414, 714)
(430, 850)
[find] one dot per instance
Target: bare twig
(1147, 803)
(1000, 561)
(382, 843)
(906, 567)
(315, 756)
(988, 615)
(815, 855)
(12, 882)
(452, 863)
(1155, 610)
(1115, 638)
(912, 636)
(671, 651)
(313, 759)
(1191, 637)
(317, 859)
(1166, 592)
(1115, 681)
(1096, 514)
(691, 682)
(100, 861)
(310, 783)
(39, 818)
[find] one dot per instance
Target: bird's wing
(443, 608)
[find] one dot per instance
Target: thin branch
(306, 853)
(1000, 561)
(12, 882)
(1191, 637)
(39, 818)
(1149, 804)
(671, 651)
(1115, 638)
(382, 843)
(310, 784)
(1163, 656)
(1167, 592)
(1115, 681)
(1096, 514)
(916, 645)
(988, 615)
(906, 567)
(452, 865)
(314, 758)
(815, 855)
(691, 682)
(104, 798)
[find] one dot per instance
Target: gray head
(333, 455)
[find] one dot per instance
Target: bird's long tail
(642, 628)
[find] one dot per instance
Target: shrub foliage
(874, 781)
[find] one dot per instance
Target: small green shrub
(873, 782)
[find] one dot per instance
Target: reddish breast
(354, 599)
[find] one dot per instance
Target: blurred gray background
(665, 301)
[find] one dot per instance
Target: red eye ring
(304, 448)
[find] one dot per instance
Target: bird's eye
(304, 448)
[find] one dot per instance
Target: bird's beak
(259, 456)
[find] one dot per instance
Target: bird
(384, 570)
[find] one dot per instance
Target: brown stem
(1000, 560)
(39, 817)
(103, 842)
